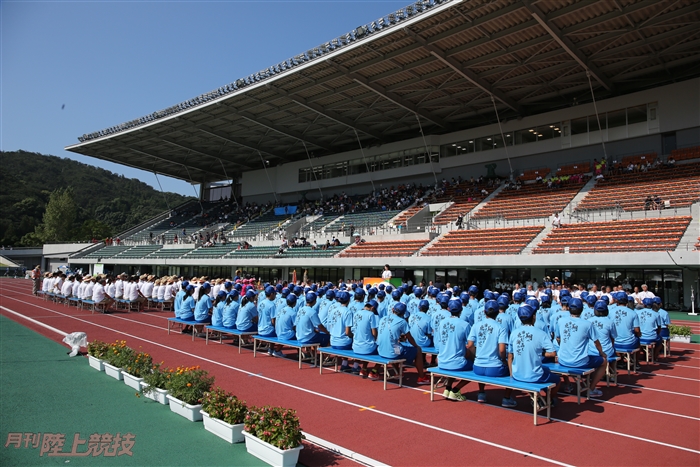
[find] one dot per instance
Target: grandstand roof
(436, 64)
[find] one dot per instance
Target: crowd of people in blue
(490, 333)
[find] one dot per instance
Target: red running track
(652, 418)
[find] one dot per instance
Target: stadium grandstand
(469, 142)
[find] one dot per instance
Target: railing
(617, 214)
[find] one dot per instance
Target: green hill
(105, 203)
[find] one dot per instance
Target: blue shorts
(251, 328)
(494, 371)
(627, 347)
(409, 353)
(191, 318)
(655, 340)
(594, 361)
(318, 338)
(547, 377)
(469, 366)
(374, 352)
(206, 320)
(269, 334)
(665, 333)
(342, 347)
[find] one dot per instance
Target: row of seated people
(486, 336)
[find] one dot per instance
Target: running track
(652, 418)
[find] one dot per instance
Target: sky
(73, 67)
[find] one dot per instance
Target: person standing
(36, 279)
(386, 274)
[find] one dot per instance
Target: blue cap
(584, 294)
(381, 286)
(228, 284)
(434, 292)
(456, 291)
(381, 294)
(591, 299)
(423, 305)
(518, 296)
(622, 297)
(630, 298)
(285, 292)
(291, 299)
(532, 301)
(564, 293)
(418, 291)
(279, 287)
(353, 286)
(545, 298)
(330, 294)
(443, 299)
(601, 306)
(488, 295)
(298, 291)
(250, 295)
(464, 296)
(233, 294)
(605, 298)
(239, 287)
(311, 297)
(372, 291)
(343, 297)
(503, 302)
(525, 312)
(454, 306)
(576, 304)
(269, 290)
(206, 286)
(565, 300)
(647, 302)
(189, 289)
(473, 290)
(185, 284)
(548, 292)
(400, 309)
(372, 304)
(359, 294)
(389, 289)
(221, 294)
(491, 306)
(314, 287)
(657, 300)
(396, 294)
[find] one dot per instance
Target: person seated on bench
(217, 314)
(626, 323)
(99, 296)
(230, 312)
(339, 323)
(392, 331)
(247, 318)
(563, 312)
(452, 336)
(364, 331)
(605, 330)
(420, 325)
(325, 307)
(526, 348)
(665, 318)
(267, 312)
(202, 311)
(438, 316)
(504, 318)
(284, 323)
(309, 329)
(187, 308)
(486, 343)
(574, 334)
(179, 298)
(650, 325)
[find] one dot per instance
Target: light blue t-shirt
(435, 321)
(382, 308)
(177, 304)
(468, 312)
(527, 343)
(587, 313)
(419, 323)
(339, 318)
(246, 313)
(363, 340)
(665, 318)
(267, 310)
(390, 329)
(486, 336)
(325, 309)
(284, 323)
(506, 322)
(187, 309)
(605, 330)
(575, 334)
(625, 321)
(554, 320)
(307, 322)
(230, 314)
(217, 315)
(201, 311)
(452, 335)
(479, 315)
(649, 322)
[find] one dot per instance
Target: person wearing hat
(419, 321)
(267, 311)
(486, 343)
(665, 318)
(526, 348)
(626, 322)
(187, 308)
(88, 285)
(309, 328)
(179, 298)
(605, 330)
(451, 340)
(99, 296)
(119, 286)
(247, 318)
(230, 311)
(203, 308)
(650, 325)
(284, 322)
(217, 314)
(438, 316)
(392, 333)
(339, 323)
(326, 306)
(573, 335)
(36, 279)
(364, 331)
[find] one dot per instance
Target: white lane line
(636, 407)
(658, 390)
(668, 376)
(39, 323)
(335, 399)
(390, 415)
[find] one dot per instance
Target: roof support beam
(390, 96)
(223, 136)
(205, 170)
(567, 45)
(464, 72)
(329, 114)
(195, 150)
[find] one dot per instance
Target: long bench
(232, 332)
(504, 381)
(277, 341)
(349, 354)
(173, 321)
(578, 374)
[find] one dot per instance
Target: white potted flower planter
(683, 339)
(158, 395)
(190, 412)
(132, 381)
(96, 363)
(231, 433)
(271, 454)
(113, 371)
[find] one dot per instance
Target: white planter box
(113, 371)
(270, 454)
(132, 381)
(683, 339)
(96, 363)
(231, 433)
(158, 395)
(190, 412)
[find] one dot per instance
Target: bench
(128, 304)
(631, 357)
(578, 374)
(232, 332)
(93, 306)
(504, 381)
(173, 321)
(611, 371)
(74, 301)
(349, 354)
(283, 342)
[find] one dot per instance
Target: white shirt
(98, 293)
(58, 285)
(109, 290)
(119, 288)
(131, 291)
(160, 292)
(168, 291)
(77, 287)
(386, 274)
(66, 289)
(45, 286)
(147, 288)
(87, 291)
(644, 294)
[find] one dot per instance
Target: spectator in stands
(556, 222)
(658, 203)
(648, 203)
(671, 162)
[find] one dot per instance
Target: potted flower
(153, 384)
(134, 370)
(224, 414)
(97, 350)
(273, 435)
(680, 333)
(186, 387)
(118, 356)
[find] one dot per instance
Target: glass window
(484, 144)
(637, 114)
(593, 122)
(579, 126)
(525, 136)
(546, 132)
(617, 118)
(497, 141)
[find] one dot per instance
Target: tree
(59, 216)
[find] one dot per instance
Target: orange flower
(189, 385)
